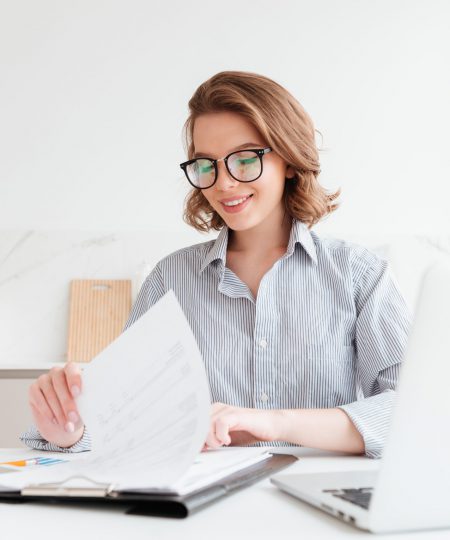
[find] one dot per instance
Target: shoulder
(189, 257)
(171, 272)
(347, 255)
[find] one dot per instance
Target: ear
(290, 172)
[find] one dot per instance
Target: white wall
(93, 95)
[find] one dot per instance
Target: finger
(38, 402)
(211, 440)
(49, 394)
(215, 438)
(73, 377)
(66, 400)
(223, 426)
(40, 418)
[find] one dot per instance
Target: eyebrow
(240, 147)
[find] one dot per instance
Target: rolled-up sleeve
(150, 292)
(34, 439)
(382, 329)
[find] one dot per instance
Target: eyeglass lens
(244, 166)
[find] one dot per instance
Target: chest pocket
(326, 376)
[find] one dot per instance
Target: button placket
(262, 390)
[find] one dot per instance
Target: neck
(272, 234)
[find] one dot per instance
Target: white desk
(260, 511)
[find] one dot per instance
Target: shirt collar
(218, 249)
(299, 234)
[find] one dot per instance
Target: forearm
(327, 429)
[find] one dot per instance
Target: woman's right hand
(52, 401)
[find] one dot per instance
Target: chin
(239, 224)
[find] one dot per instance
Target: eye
(246, 161)
(205, 168)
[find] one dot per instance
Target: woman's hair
(286, 128)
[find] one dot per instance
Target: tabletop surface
(261, 511)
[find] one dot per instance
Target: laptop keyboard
(360, 497)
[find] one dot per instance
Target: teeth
(236, 202)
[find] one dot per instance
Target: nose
(224, 179)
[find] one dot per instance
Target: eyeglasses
(243, 166)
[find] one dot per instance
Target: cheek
(272, 182)
(208, 197)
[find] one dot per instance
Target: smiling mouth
(235, 202)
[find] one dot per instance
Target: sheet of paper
(146, 404)
(152, 418)
(214, 465)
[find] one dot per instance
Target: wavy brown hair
(283, 124)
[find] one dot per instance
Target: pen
(21, 463)
(33, 461)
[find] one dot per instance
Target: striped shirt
(328, 328)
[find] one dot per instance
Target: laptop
(411, 489)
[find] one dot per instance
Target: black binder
(151, 503)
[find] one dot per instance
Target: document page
(145, 402)
(151, 418)
(213, 465)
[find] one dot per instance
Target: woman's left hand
(240, 426)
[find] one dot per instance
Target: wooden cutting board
(98, 312)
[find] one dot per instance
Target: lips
(233, 205)
(232, 201)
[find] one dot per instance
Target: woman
(302, 338)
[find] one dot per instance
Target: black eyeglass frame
(259, 151)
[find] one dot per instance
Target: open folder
(145, 402)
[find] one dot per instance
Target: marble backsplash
(36, 268)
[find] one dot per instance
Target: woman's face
(216, 135)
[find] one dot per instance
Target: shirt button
(263, 343)
(264, 397)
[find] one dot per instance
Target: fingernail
(73, 417)
(75, 391)
(70, 428)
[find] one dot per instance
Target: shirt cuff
(372, 418)
(34, 439)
